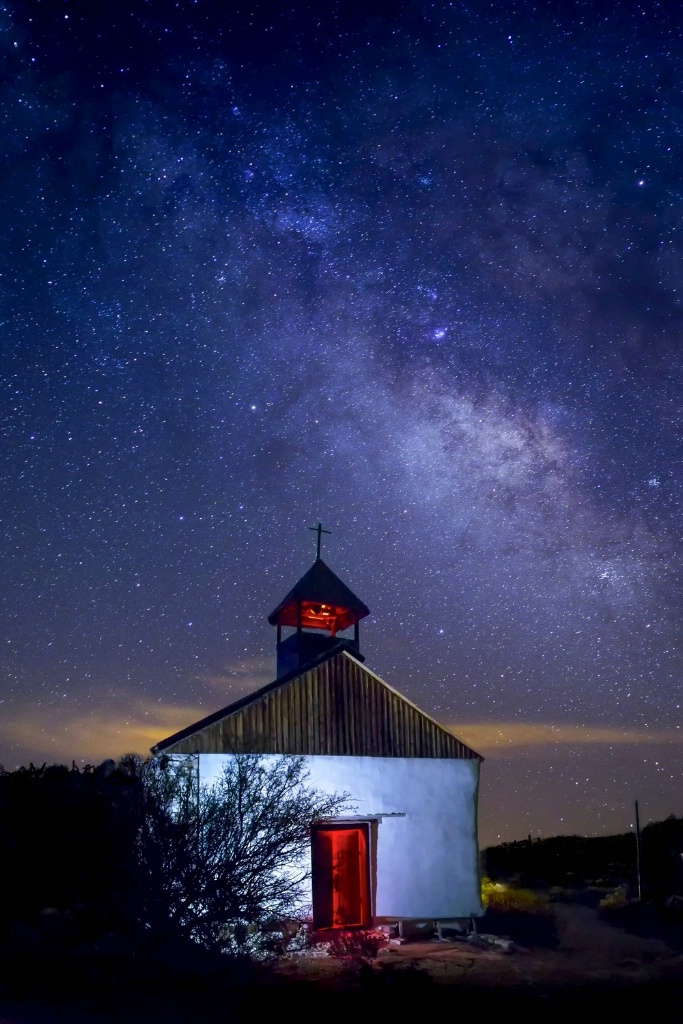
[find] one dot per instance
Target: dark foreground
(196, 999)
(154, 995)
(594, 967)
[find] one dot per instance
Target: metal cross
(319, 530)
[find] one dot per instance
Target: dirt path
(585, 936)
(589, 951)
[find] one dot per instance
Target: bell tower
(315, 611)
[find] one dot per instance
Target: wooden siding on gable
(336, 707)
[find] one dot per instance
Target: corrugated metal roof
(335, 706)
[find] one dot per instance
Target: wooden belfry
(318, 607)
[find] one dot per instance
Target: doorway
(341, 876)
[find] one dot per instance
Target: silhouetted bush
(94, 857)
(360, 944)
(222, 863)
(67, 843)
(497, 896)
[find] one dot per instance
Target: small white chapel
(409, 851)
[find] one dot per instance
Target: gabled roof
(322, 585)
(333, 706)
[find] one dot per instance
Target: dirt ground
(589, 951)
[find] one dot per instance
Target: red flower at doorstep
(352, 943)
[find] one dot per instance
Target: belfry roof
(321, 585)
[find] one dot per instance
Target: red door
(341, 878)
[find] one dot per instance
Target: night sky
(413, 270)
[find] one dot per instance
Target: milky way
(418, 275)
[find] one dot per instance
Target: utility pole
(638, 855)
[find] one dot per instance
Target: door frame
(369, 827)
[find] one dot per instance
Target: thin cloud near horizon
(496, 738)
(57, 736)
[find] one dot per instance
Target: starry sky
(413, 270)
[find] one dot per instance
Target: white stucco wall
(427, 856)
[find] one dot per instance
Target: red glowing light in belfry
(316, 615)
(319, 600)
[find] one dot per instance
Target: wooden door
(341, 876)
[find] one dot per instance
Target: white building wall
(427, 848)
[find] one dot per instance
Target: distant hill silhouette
(601, 860)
